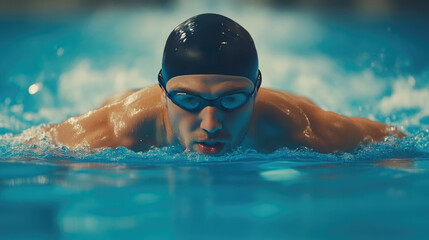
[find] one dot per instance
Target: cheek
(182, 122)
(238, 121)
(187, 123)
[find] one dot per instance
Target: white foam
(84, 87)
(322, 80)
(405, 96)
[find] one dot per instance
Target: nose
(210, 119)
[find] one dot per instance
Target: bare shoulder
(283, 119)
(118, 97)
(277, 117)
(130, 122)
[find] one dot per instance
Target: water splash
(23, 147)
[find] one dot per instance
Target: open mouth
(210, 147)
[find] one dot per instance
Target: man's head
(209, 78)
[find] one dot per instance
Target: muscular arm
(94, 129)
(329, 131)
(133, 121)
(295, 121)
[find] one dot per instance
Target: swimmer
(208, 99)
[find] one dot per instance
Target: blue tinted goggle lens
(194, 103)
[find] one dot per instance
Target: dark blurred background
(370, 7)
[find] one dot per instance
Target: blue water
(52, 68)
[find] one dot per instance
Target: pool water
(52, 68)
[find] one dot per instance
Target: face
(209, 130)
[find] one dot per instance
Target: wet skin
(270, 120)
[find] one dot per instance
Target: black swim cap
(210, 44)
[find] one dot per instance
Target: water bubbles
(60, 52)
(17, 108)
(34, 88)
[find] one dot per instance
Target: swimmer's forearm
(376, 131)
(340, 133)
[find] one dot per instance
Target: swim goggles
(194, 103)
